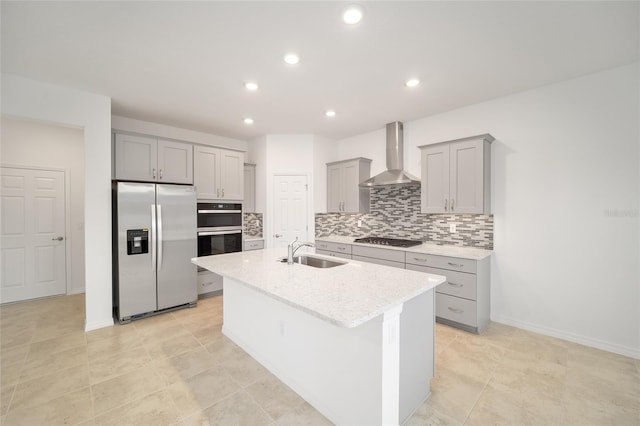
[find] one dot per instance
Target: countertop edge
(343, 324)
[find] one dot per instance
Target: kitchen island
(355, 340)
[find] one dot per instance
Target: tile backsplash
(395, 213)
(253, 225)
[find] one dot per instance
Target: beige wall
(36, 144)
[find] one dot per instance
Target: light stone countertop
(425, 248)
(347, 295)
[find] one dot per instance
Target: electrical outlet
(452, 228)
(359, 223)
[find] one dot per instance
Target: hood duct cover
(394, 175)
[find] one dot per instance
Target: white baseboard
(571, 337)
(89, 326)
(76, 291)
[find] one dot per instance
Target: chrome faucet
(293, 247)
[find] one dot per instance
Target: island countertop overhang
(347, 295)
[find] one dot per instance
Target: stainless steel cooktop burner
(393, 242)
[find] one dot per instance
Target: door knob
(277, 235)
(57, 239)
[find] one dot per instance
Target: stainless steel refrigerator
(154, 239)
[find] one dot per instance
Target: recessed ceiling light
(330, 113)
(291, 58)
(248, 120)
(250, 85)
(412, 82)
(352, 14)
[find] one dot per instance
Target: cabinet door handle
(418, 259)
(455, 310)
(455, 284)
(342, 248)
(154, 173)
(457, 265)
(160, 173)
(452, 204)
(218, 192)
(322, 246)
(445, 204)
(222, 192)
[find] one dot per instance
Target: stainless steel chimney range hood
(394, 175)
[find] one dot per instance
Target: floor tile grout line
(495, 366)
(44, 376)
(139, 398)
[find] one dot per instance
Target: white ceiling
(185, 63)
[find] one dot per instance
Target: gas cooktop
(394, 242)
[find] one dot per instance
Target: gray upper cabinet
(175, 162)
(343, 193)
(148, 159)
(232, 175)
(218, 174)
(249, 188)
(456, 176)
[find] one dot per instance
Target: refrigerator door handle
(159, 208)
(153, 236)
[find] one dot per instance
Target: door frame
(67, 219)
(268, 223)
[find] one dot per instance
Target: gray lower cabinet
(253, 245)
(463, 301)
(379, 256)
(333, 249)
(208, 282)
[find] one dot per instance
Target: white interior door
(289, 209)
(32, 234)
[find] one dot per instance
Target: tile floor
(178, 369)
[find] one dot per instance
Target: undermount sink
(315, 262)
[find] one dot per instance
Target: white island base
(375, 373)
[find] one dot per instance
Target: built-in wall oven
(219, 228)
(219, 231)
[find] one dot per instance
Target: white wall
(282, 154)
(257, 154)
(370, 145)
(35, 100)
(565, 187)
(155, 129)
(35, 144)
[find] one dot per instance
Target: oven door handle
(219, 211)
(205, 234)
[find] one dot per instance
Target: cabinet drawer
(337, 247)
(456, 309)
(442, 262)
(379, 253)
(334, 254)
(253, 245)
(378, 261)
(208, 282)
(458, 284)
